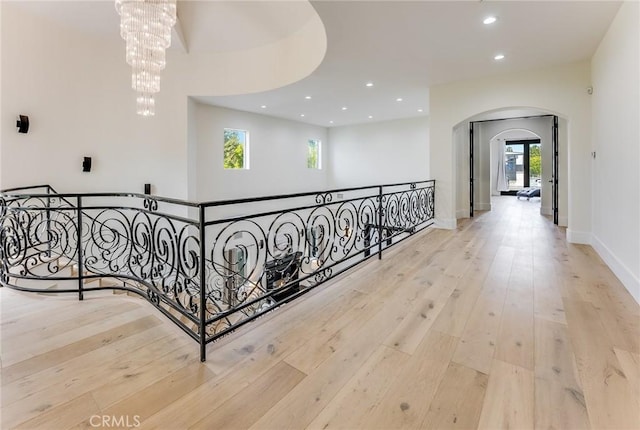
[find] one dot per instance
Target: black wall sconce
(147, 188)
(86, 164)
(23, 124)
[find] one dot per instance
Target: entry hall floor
(498, 324)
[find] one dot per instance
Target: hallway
(498, 324)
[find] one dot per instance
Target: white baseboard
(581, 237)
(546, 210)
(622, 272)
(563, 221)
(446, 224)
(462, 213)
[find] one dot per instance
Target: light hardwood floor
(499, 324)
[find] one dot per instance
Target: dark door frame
(554, 169)
(471, 169)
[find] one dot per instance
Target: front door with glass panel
(522, 165)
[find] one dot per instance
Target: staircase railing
(209, 267)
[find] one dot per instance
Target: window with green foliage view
(535, 161)
(313, 154)
(236, 149)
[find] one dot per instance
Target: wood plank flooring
(498, 324)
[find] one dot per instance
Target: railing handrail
(31, 187)
(9, 192)
(305, 194)
(173, 265)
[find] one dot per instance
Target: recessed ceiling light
(301, 114)
(419, 110)
(369, 84)
(344, 108)
(307, 97)
(498, 57)
(399, 99)
(330, 122)
(489, 20)
(263, 106)
(370, 116)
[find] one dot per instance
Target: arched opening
(515, 162)
(477, 144)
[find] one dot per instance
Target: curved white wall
(252, 70)
(616, 141)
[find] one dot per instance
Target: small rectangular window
(236, 149)
(314, 154)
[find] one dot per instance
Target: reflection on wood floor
(499, 324)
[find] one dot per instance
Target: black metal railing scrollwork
(209, 273)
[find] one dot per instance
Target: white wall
(380, 153)
(2, 126)
(560, 90)
(78, 105)
(482, 159)
(192, 149)
(461, 179)
(616, 141)
(278, 155)
(75, 87)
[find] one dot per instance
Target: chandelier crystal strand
(145, 25)
(145, 104)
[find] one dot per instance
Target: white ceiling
(402, 47)
(406, 47)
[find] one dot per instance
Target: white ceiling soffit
(207, 25)
(239, 25)
(220, 47)
(406, 47)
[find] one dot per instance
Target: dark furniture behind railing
(209, 267)
(283, 271)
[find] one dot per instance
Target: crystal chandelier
(145, 25)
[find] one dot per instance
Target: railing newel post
(49, 221)
(203, 281)
(380, 222)
(80, 256)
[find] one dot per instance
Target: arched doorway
(475, 152)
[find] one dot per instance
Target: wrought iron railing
(209, 267)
